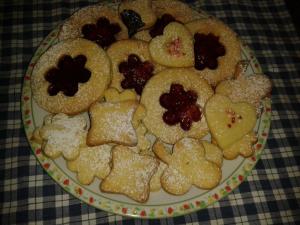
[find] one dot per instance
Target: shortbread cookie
(228, 122)
(70, 76)
(184, 112)
(113, 95)
(91, 162)
(63, 135)
(130, 174)
(155, 184)
(216, 49)
(112, 123)
(213, 153)
(177, 9)
(243, 147)
(186, 167)
(250, 89)
(97, 23)
(132, 65)
(174, 48)
(137, 15)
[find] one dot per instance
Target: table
(270, 196)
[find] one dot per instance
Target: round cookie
(225, 64)
(180, 11)
(97, 63)
(89, 15)
(159, 84)
(119, 52)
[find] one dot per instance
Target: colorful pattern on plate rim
(135, 210)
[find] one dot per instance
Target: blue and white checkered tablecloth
(271, 195)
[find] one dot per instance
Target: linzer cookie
(174, 101)
(97, 23)
(216, 49)
(70, 76)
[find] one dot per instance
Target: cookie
(243, 147)
(187, 166)
(186, 112)
(91, 162)
(112, 123)
(174, 48)
(113, 95)
(216, 49)
(130, 174)
(177, 9)
(132, 65)
(63, 135)
(97, 23)
(70, 76)
(137, 15)
(228, 122)
(155, 184)
(213, 153)
(251, 89)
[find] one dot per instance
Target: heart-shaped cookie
(174, 48)
(228, 121)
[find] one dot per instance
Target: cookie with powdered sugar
(62, 135)
(92, 162)
(130, 174)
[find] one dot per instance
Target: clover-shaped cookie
(130, 174)
(174, 48)
(63, 135)
(91, 162)
(229, 122)
(187, 166)
(249, 89)
(112, 123)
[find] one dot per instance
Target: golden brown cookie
(215, 63)
(119, 53)
(112, 123)
(174, 48)
(250, 89)
(187, 166)
(91, 162)
(130, 174)
(160, 84)
(72, 28)
(70, 76)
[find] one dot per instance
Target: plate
(160, 204)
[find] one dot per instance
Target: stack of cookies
(155, 78)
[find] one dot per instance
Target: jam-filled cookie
(132, 65)
(216, 49)
(174, 48)
(137, 15)
(174, 101)
(96, 23)
(70, 76)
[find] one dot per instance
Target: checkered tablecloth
(270, 196)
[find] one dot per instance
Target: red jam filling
(160, 24)
(136, 73)
(66, 76)
(181, 107)
(207, 49)
(103, 32)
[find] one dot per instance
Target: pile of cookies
(155, 77)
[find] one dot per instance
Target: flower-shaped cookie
(130, 174)
(63, 135)
(91, 162)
